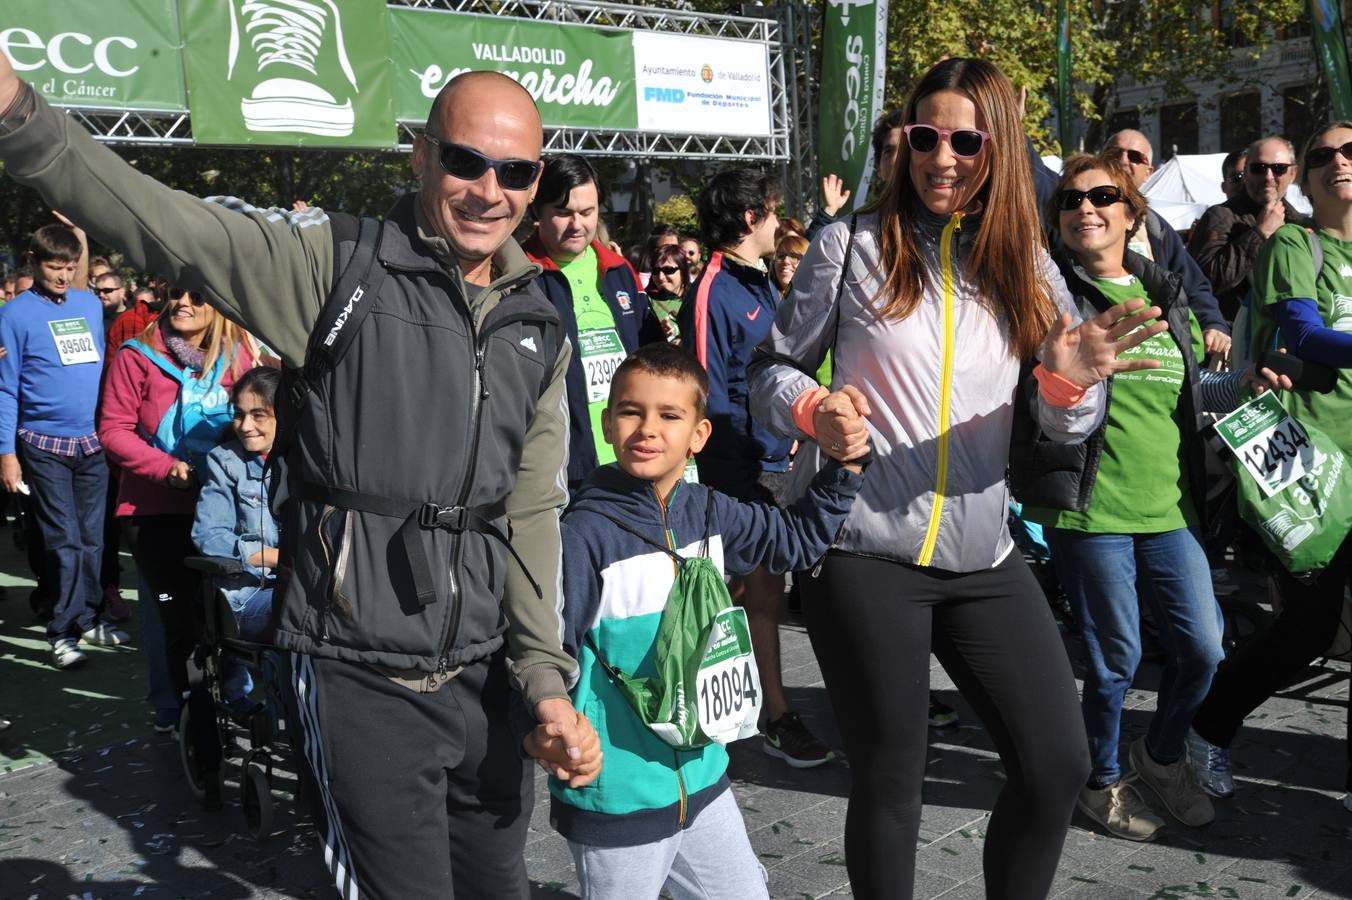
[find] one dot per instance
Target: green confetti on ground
(1252, 880)
(832, 861)
(950, 851)
(1294, 889)
(1141, 868)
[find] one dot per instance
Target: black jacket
(427, 406)
(1061, 476)
(1225, 243)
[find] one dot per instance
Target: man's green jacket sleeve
(268, 270)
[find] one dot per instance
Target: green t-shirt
(598, 342)
(1142, 482)
(1284, 270)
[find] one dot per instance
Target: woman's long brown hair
(1004, 258)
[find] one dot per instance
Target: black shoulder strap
(840, 285)
(354, 294)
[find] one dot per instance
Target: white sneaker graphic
(289, 34)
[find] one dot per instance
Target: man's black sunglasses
(469, 165)
(1318, 157)
(105, 290)
(1277, 169)
(1135, 157)
(1106, 195)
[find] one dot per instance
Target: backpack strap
(840, 287)
(625, 526)
(354, 294)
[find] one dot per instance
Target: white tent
(1183, 188)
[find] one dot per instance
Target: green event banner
(580, 77)
(850, 99)
(311, 73)
(76, 54)
(1331, 48)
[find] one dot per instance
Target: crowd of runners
(500, 502)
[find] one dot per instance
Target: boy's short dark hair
(563, 173)
(729, 194)
(53, 242)
(667, 361)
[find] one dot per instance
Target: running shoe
(1175, 784)
(941, 715)
(788, 738)
(105, 635)
(1120, 809)
(1212, 765)
(66, 653)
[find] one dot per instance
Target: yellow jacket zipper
(945, 391)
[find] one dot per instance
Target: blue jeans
(253, 609)
(1099, 572)
(69, 495)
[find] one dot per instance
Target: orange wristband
(1056, 390)
(805, 406)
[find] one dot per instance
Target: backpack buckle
(450, 518)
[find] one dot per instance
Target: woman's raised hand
(1089, 352)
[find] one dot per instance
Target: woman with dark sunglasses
(1309, 314)
(667, 284)
(944, 291)
(1126, 506)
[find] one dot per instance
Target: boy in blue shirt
(658, 815)
(49, 384)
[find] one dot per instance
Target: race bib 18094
(74, 341)
(727, 684)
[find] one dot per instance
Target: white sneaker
(105, 635)
(1120, 809)
(1175, 784)
(66, 653)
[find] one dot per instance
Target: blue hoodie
(615, 588)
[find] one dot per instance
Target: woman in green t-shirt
(1309, 313)
(1124, 508)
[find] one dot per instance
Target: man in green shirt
(597, 295)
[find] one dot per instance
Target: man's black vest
(401, 440)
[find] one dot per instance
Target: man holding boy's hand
(409, 613)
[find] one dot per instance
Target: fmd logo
(664, 95)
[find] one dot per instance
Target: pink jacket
(136, 395)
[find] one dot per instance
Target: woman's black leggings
(872, 624)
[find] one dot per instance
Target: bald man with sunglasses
(420, 588)
(1226, 239)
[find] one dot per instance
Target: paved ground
(101, 810)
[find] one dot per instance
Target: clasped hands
(838, 420)
(564, 744)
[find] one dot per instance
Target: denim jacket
(233, 518)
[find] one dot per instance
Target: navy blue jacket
(634, 320)
(726, 314)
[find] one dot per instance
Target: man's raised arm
(267, 270)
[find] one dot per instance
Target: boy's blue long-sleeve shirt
(38, 390)
(616, 587)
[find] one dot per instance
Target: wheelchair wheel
(187, 756)
(256, 799)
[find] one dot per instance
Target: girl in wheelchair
(233, 519)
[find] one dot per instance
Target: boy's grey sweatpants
(712, 859)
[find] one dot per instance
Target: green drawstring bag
(707, 688)
(1294, 482)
